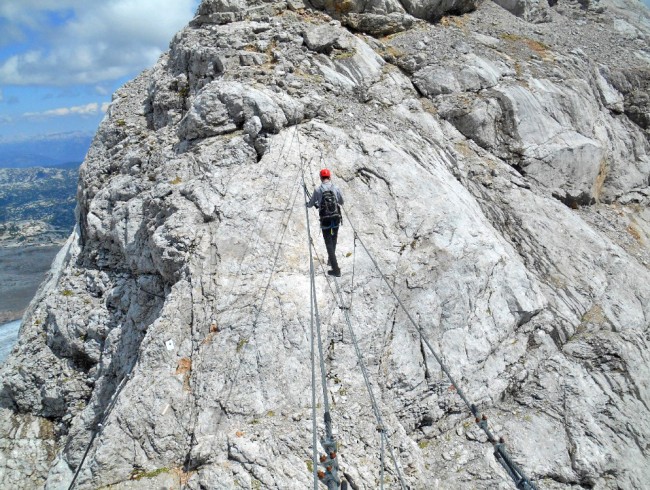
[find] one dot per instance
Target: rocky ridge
(497, 167)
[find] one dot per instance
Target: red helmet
(325, 174)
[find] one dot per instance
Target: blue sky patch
(60, 66)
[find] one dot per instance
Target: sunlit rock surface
(495, 166)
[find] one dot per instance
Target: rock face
(497, 170)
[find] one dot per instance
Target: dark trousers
(330, 235)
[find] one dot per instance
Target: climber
(328, 199)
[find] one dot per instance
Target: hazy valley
(36, 216)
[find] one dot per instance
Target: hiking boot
(334, 273)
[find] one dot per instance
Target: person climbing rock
(328, 199)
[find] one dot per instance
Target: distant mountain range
(37, 203)
(59, 150)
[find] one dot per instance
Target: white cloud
(105, 107)
(2, 97)
(87, 42)
(91, 109)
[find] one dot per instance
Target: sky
(60, 60)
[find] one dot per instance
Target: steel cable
(313, 360)
(269, 193)
(376, 412)
(521, 481)
(100, 425)
(266, 288)
(366, 378)
(331, 477)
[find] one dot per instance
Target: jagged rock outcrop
(497, 170)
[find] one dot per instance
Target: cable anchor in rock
(330, 462)
(501, 454)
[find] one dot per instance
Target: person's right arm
(315, 198)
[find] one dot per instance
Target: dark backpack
(329, 205)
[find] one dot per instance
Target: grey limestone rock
(530, 10)
(496, 169)
(378, 24)
(322, 38)
(436, 81)
(222, 107)
(434, 9)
